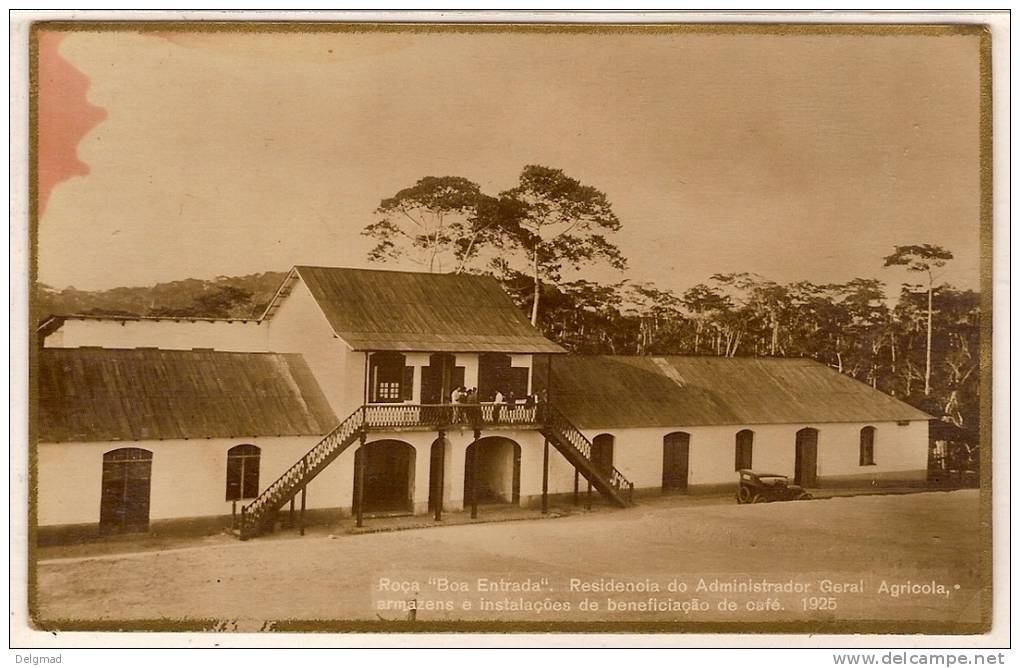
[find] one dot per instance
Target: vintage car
(765, 487)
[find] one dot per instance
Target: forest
(921, 345)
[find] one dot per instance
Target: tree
(555, 220)
(434, 223)
(922, 259)
(706, 304)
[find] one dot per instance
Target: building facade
(337, 402)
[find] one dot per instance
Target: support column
(359, 476)
(304, 492)
(587, 498)
(474, 476)
(545, 477)
(290, 520)
(440, 482)
(577, 486)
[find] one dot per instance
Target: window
(744, 447)
(390, 380)
(243, 472)
(868, 446)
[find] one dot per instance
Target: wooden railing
(558, 423)
(443, 416)
(380, 417)
(298, 475)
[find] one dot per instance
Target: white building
(338, 399)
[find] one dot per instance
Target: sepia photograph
(520, 326)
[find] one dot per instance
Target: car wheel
(758, 498)
(743, 495)
(805, 496)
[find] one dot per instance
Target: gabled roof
(103, 394)
(372, 309)
(603, 391)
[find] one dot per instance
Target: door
(602, 453)
(806, 461)
(439, 378)
(493, 375)
(124, 506)
(676, 457)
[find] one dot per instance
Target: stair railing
(287, 485)
(558, 422)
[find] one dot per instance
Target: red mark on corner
(65, 116)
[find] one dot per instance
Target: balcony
(433, 417)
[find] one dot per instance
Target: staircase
(576, 447)
(257, 515)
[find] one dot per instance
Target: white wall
(299, 326)
(188, 476)
(638, 452)
(170, 334)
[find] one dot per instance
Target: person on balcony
(474, 409)
(529, 406)
(497, 406)
(457, 398)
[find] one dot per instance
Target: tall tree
(435, 223)
(923, 259)
(555, 220)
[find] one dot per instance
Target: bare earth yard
(822, 560)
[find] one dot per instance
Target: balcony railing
(444, 416)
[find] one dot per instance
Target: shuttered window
(391, 380)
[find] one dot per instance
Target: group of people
(467, 407)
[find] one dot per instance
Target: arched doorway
(602, 453)
(805, 466)
(127, 475)
(744, 450)
(676, 458)
(492, 470)
(389, 476)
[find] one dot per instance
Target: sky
(166, 156)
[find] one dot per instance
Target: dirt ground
(888, 557)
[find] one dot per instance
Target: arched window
(868, 446)
(243, 472)
(744, 447)
(124, 508)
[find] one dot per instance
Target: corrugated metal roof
(603, 391)
(407, 311)
(93, 394)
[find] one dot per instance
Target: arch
(676, 458)
(602, 453)
(389, 476)
(805, 466)
(126, 488)
(390, 380)
(243, 463)
(744, 450)
(492, 469)
(867, 456)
